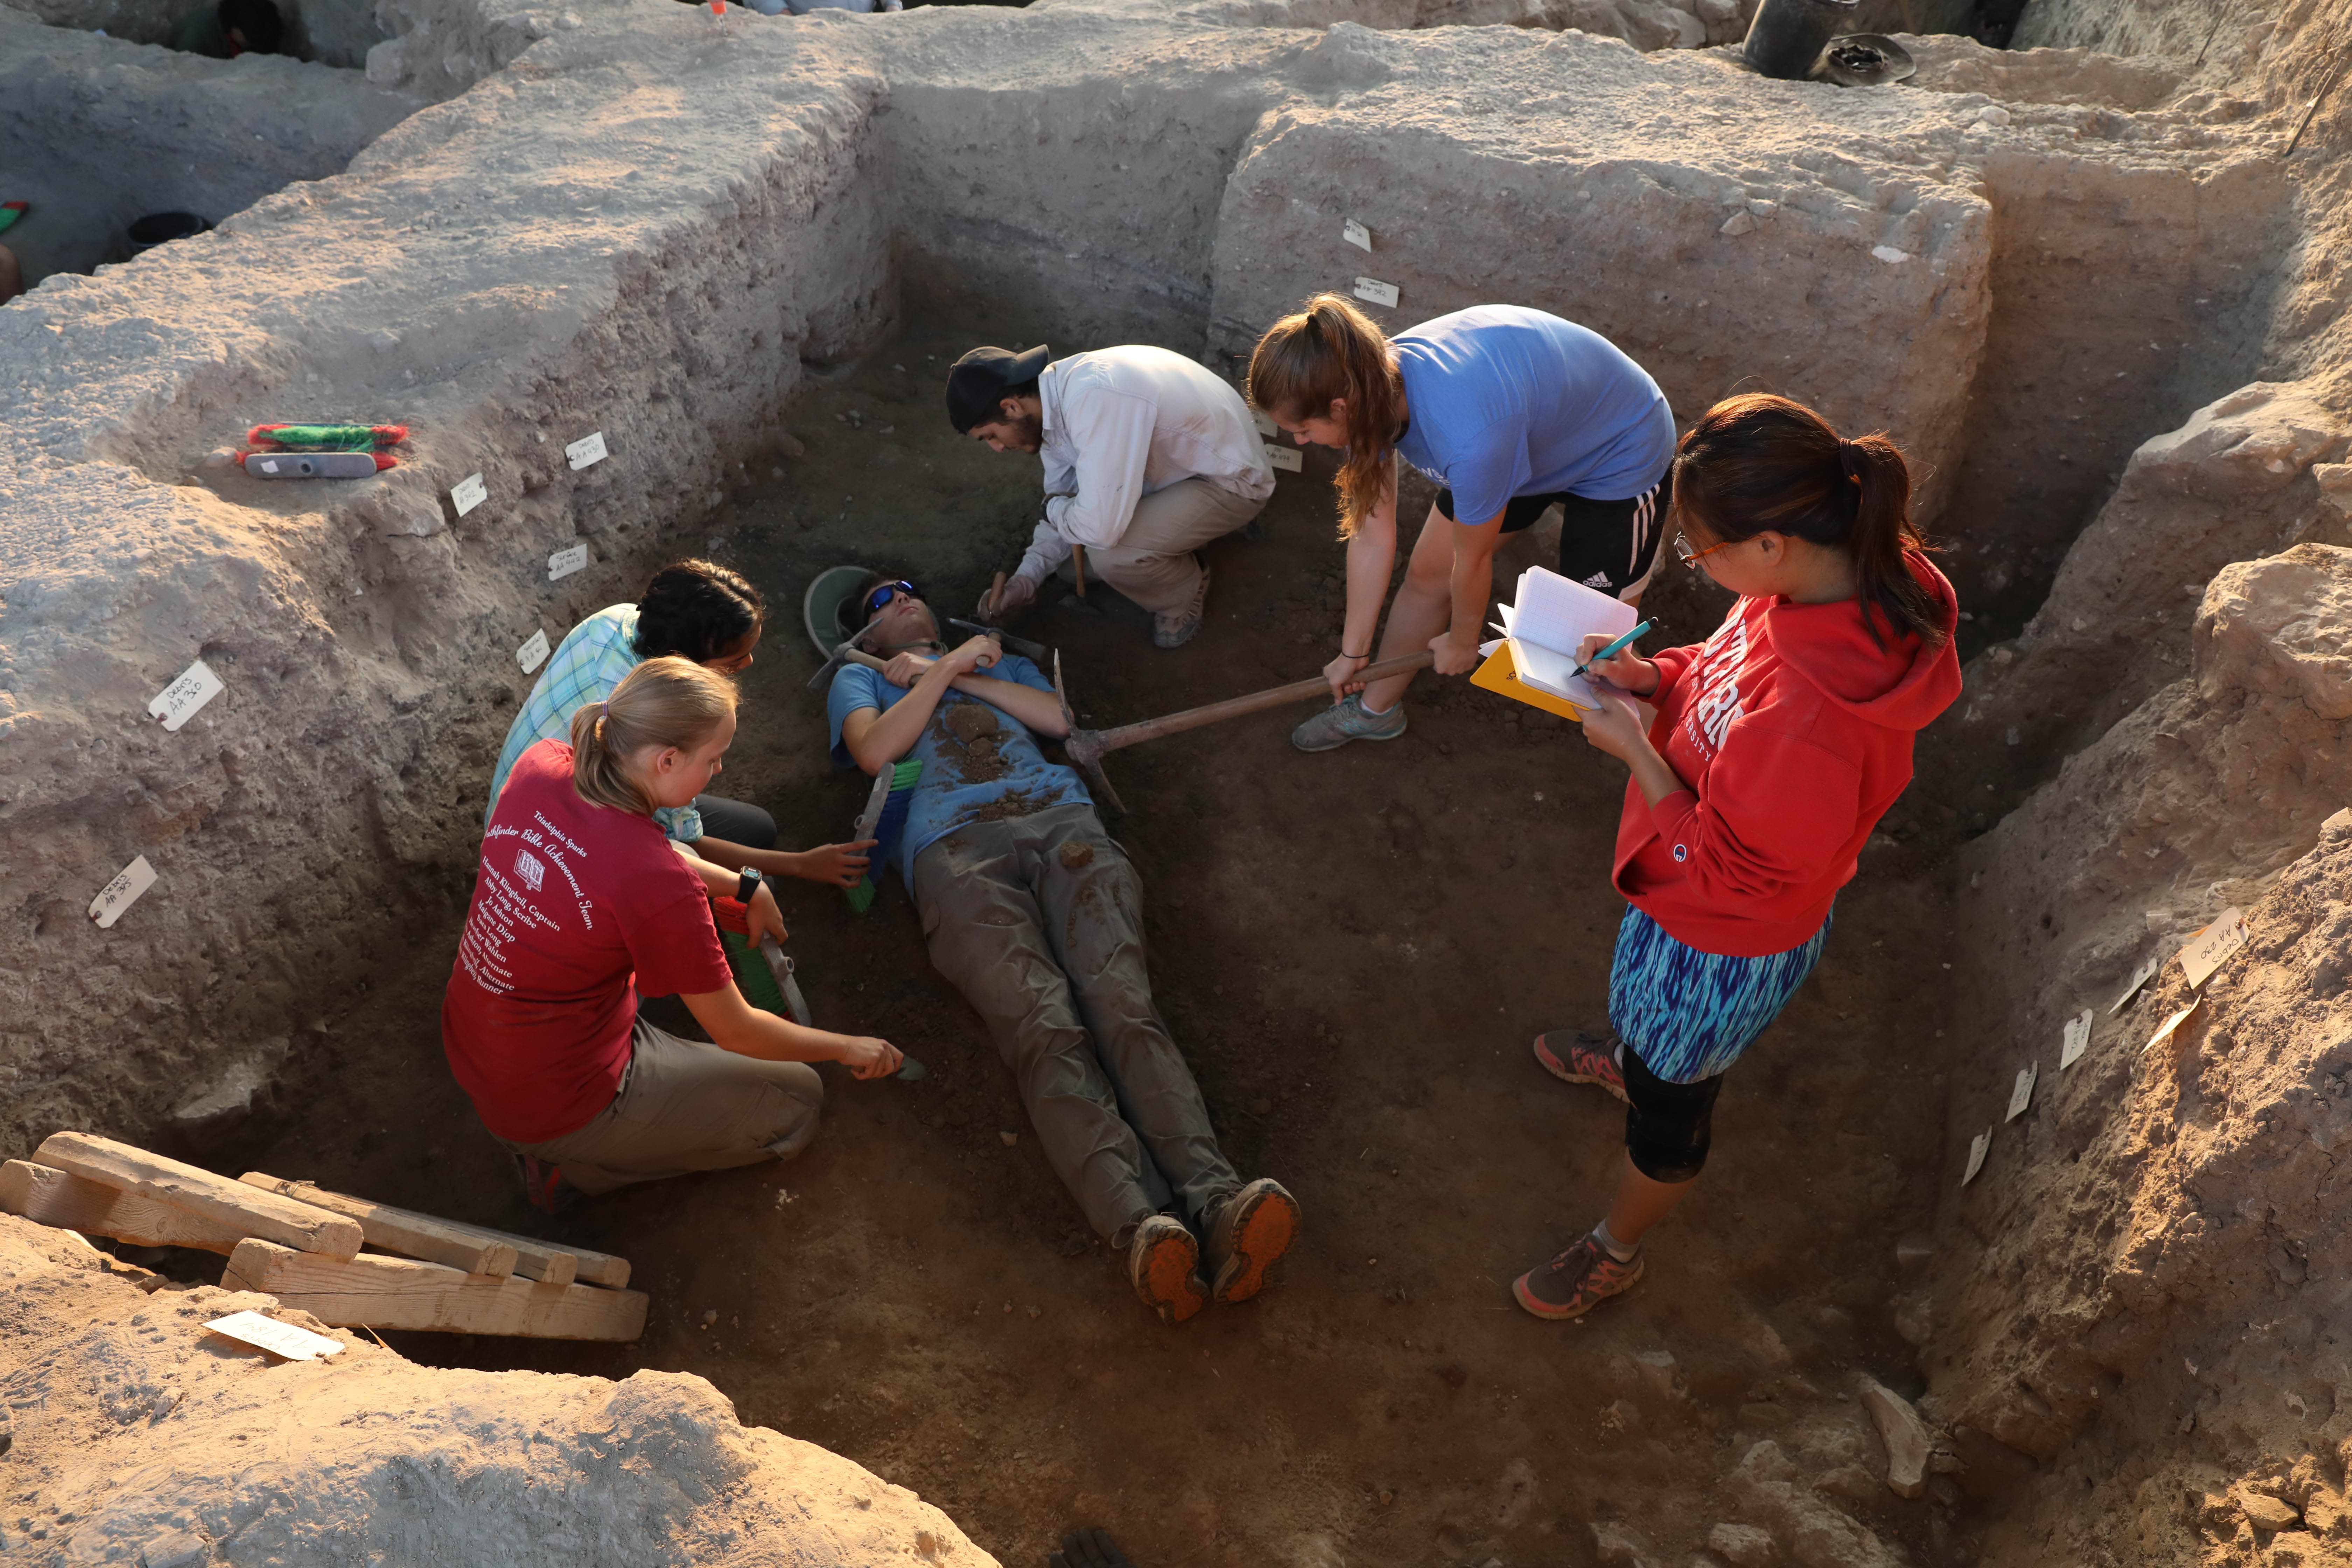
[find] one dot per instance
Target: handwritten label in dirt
(2020, 1093)
(2211, 948)
(1376, 291)
(1289, 459)
(1357, 234)
(566, 560)
(178, 702)
(532, 654)
(122, 892)
(2164, 1031)
(276, 1338)
(1265, 423)
(2140, 976)
(469, 493)
(1977, 1147)
(588, 449)
(2077, 1040)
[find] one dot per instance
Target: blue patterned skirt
(1689, 1014)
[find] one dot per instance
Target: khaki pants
(687, 1106)
(1152, 563)
(1039, 921)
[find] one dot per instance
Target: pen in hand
(1614, 650)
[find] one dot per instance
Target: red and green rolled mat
(325, 437)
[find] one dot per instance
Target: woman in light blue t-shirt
(1510, 412)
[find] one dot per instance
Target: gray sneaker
(1345, 721)
(1175, 628)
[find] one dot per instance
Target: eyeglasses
(888, 592)
(1689, 557)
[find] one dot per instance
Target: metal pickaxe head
(1035, 652)
(1084, 747)
(823, 677)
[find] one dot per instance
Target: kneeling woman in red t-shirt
(580, 905)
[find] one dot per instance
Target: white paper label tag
(1289, 459)
(2020, 1093)
(1265, 423)
(566, 560)
(1378, 292)
(1977, 1147)
(276, 1338)
(2140, 976)
(122, 892)
(532, 654)
(2077, 1040)
(2210, 948)
(2164, 1030)
(469, 493)
(1357, 234)
(588, 449)
(178, 702)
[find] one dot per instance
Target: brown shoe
(1163, 1263)
(1257, 1227)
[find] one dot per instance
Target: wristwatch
(747, 886)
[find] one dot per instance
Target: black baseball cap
(977, 382)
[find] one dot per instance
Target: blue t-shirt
(1503, 401)
(980, 764)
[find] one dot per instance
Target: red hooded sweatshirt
(1792, 727)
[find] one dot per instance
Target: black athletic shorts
(735, 822)
(1611, 545)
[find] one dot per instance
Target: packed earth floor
(1354, 949)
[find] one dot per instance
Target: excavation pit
(760, 327)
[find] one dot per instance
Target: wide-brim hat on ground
(829, 608)
(977, 382)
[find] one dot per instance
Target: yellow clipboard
(1499, 674)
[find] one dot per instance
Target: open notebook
(1550, 617)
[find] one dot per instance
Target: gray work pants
(1039, 921)
(687, 1105)
(1153, 564)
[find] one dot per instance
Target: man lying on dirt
(1037, 916)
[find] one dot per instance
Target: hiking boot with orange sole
(1579, 1058)
(1576, 1281)
(1257, 1227)
(1163, 1263)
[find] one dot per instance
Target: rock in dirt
(1615, 1543)
(1075, 855)
(1908, 1440)
(1741, 1545)
(139, 1431)
(2266, 1511)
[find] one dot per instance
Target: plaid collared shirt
(591, 661)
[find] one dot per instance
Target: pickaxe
(1035, 652)
(1086, 748)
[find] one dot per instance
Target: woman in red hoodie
(1778, 743)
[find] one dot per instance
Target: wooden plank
(249, 1209)
(51, 1196)
(405, 1231)
(399, 1293)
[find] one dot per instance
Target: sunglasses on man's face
(888, 592)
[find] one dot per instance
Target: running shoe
(1582, 1058)
(1174, 628)
(1576, 1281)
(1163, 1263)
(1345, 721)
(1257, 1227)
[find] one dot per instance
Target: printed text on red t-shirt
(491, 927)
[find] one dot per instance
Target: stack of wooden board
(302, 1244)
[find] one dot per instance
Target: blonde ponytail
(667, 701)
(1330, 350)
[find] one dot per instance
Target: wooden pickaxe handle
(1257, 701)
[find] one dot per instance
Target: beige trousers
(1152, 563)
(686, 1105)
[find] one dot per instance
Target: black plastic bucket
(161, 228)
(1787, 35)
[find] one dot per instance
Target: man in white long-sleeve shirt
(1148, 457)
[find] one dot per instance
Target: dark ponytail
(1326, 351)
(1757, 463)
(697, 610)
